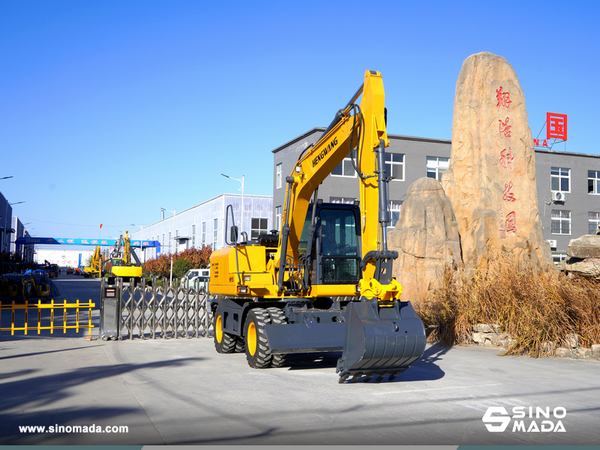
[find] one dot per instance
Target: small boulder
(426, 238)
(586, 246)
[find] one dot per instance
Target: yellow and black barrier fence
(47, 319)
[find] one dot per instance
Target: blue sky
(110, 110)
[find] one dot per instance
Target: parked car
(202, 276)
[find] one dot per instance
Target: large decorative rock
(491, 178)
(426, 238)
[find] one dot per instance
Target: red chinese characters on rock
(505, 128)
(507, 224)
(501, 224)
(508, 194)
(511, 222)
(507, 158)
(503, 98)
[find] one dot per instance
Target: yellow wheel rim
(219, 329)
(251, 338)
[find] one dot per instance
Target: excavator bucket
(380, 341)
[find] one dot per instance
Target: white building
(204, 224)
(64, 257)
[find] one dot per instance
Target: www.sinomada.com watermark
(525, 419)
(73, 429)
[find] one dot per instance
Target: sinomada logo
(527, 419)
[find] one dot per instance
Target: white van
(202, 275)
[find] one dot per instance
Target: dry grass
(534, 307)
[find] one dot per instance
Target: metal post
(242, 212)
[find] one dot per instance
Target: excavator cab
(334, 256)
(339, 243)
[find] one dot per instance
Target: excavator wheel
(240, 346)
(277, 317)
(224, 342)
(258, 352)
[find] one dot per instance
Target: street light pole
(242, 212)
(171, 273)
(142, 254)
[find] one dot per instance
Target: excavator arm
(360, 128)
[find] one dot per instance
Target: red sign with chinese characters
(556, 126)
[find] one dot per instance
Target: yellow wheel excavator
(324, 284)
(120, 258)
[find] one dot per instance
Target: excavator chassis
(374, 341)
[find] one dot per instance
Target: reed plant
(538, 308)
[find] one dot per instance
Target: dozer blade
(380, 341)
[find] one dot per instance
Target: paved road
(182, 392)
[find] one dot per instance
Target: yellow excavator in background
(120, 258)
(325, 283)
(95, 266)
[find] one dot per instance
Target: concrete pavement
(180, 391)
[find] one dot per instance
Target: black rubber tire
(258, 352)
(277, 317)
(240, 345)
(224, 342)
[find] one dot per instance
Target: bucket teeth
(368, 377)
(356, 377)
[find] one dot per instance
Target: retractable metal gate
(153, 311)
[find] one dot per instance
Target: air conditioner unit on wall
(558, 196)
(552, 243)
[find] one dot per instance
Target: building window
(203, 233)
(395, 165)
(345, 169)
(593, 222)
(395, 207)
(593, 181)
(170, 250)
(560, 179)
(215, 233)
(344, 200)
(259, 226)
(557, 258)
(193, 235)
(279, 176)
(437, 166)
(278, 218)
(560, 222)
